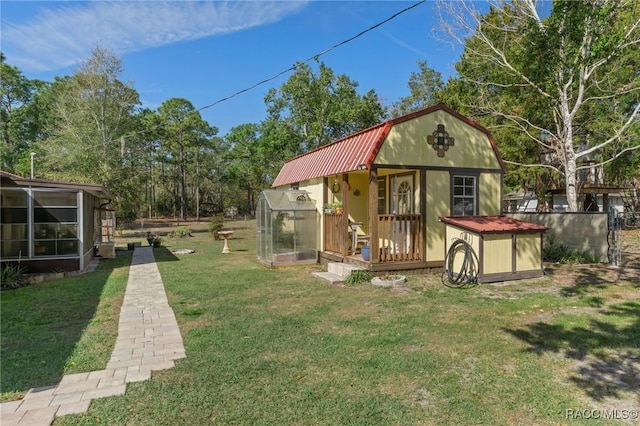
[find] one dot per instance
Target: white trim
(463, 196)
(30, 224)
(80, 235)
(39, 258)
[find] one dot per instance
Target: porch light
(440, 140)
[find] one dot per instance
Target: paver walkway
(148, 339)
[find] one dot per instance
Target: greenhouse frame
(287, 226)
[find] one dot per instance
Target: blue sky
(206, 51)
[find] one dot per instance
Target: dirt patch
(599, 346)
(591, 273)
(609, 382)
(516, 289)
(630, 245)
(566, 280)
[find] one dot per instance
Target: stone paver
(148, 340)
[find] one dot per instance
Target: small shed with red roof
(506, 248)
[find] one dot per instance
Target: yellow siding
(315, 189)
(358, 204)
(528, 255)
(453, 233)
(497, 253)
(489, 188)
(406, 144)
(438, 199)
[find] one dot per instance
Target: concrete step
(331, 278)
(342, 269)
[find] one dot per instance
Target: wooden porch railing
(335, 233)
(399, 238)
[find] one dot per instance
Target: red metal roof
(492, 224)
(357, 151)
(344, 155)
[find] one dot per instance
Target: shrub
(554, 251)
(358, 276)
(216, 225)
(125, 217)
(182, 231)
(12, 276)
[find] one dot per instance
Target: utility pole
(33, 154)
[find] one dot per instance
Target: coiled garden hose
(468, 273)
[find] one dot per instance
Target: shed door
(402, 199)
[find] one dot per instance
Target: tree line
(566, 84)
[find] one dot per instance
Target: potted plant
(338, 207)
(328, 208)
(153, 240)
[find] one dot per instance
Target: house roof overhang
(9, 179)
(358, 151)
(590, 189)
(354, 152)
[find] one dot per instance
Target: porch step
(329, 277)
(336, 273)
(341, 269)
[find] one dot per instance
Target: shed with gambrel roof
(397, 179)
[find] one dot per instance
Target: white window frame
(463, 196)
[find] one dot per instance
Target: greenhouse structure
(287, 225)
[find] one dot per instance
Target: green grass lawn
(280, 347)
(59, 327)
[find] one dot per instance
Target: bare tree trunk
(176, 191)
(151, 186)
(569, 160)
(572, 186)
(183, 183)
(197, 187)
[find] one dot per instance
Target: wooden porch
(396, 242)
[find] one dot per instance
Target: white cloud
(401, 43)
(65, 35)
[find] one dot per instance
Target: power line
(293, 67)
(314, 57)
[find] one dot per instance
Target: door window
(403, 199)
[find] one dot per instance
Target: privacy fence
(588, 232)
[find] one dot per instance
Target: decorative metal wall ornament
(440, 140)
(335, 188)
